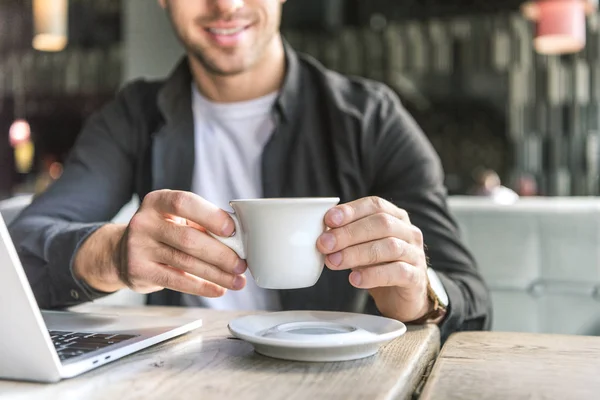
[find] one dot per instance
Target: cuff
(65, 289)
(456, 305)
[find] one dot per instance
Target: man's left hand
(385, 252)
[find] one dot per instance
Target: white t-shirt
(229, 142)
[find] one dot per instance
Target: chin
(226, 70)
(224, 65)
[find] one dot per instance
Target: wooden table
(208, 364)
(494, 365)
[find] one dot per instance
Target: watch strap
(437, 312)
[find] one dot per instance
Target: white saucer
(322, 336)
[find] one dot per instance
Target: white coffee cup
(278, 239)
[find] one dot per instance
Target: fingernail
(356, 278)
(240, 267)
(228, 228)
(335, 258)
(238, 282)
(328, 241)
(336, 216)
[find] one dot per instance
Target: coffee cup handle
(235, 242)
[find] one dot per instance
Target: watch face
(438, 287)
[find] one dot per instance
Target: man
(488, 184)
(244, 116)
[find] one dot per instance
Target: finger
(191, 207)
(373, 227)
(178, 259)
(347, 213)
(399, 274)
(389, 249)
(199, 245)
(181, 281)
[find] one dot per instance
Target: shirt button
(74, 294)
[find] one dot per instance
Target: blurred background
(466, 69)
(510, 114)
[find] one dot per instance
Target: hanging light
(560, 24)
(50, 25)
(19, 132)
(20, 139)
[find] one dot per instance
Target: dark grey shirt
(334, 136)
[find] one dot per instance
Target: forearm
(469, 300)
(96, 261)
(97, 181)
(407, 171)
(46, 247)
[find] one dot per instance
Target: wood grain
(496, 365)
(208, 364)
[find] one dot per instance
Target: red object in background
(560, 27)
(527, 186)
(560, 24)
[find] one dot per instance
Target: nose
(228, 6)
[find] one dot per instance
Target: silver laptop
(47, 346)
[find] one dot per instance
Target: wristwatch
(437, 296)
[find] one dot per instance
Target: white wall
(151, 49)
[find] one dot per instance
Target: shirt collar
(290, 90)
(175, 96)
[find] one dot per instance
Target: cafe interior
(508, 94)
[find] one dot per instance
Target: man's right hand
(165, 245)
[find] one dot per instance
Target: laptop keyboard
(74, 344)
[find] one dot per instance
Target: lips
(228, 35)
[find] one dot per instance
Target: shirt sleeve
(407, 171)
(97, 181)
